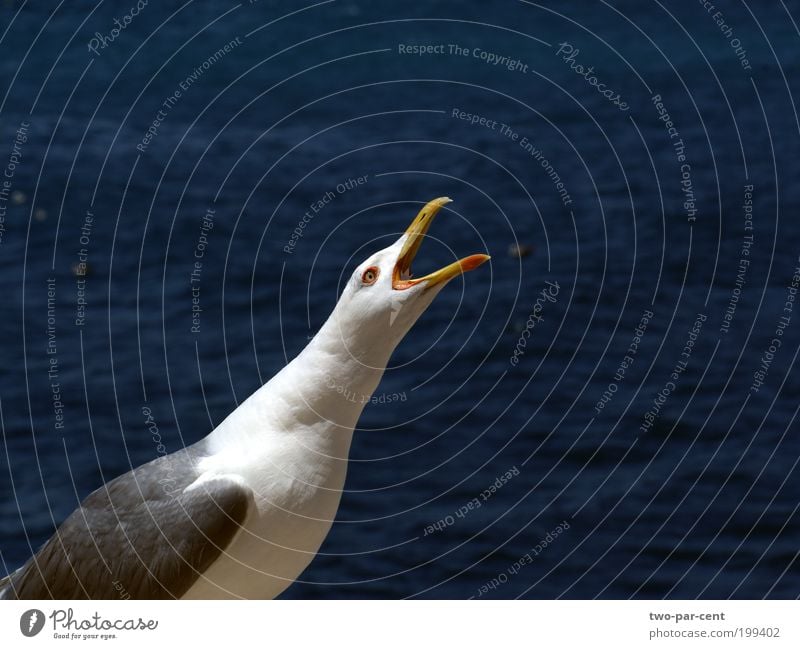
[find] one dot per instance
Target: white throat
(321, 392)
(332, 378)
(289, 442)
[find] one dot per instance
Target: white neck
(330, 379)
(322, 391)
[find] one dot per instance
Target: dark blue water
(670, 278)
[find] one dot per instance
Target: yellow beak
(401, 278)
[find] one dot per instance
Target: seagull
(241, 513)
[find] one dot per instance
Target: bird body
(295, 462)
(243, 512)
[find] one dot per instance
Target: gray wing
(138, 536)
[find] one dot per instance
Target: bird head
(382, 299)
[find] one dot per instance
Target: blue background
(702, 504)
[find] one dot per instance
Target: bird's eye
(370, 275)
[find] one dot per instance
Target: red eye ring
(370, 275)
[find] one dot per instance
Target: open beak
(402, 278)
